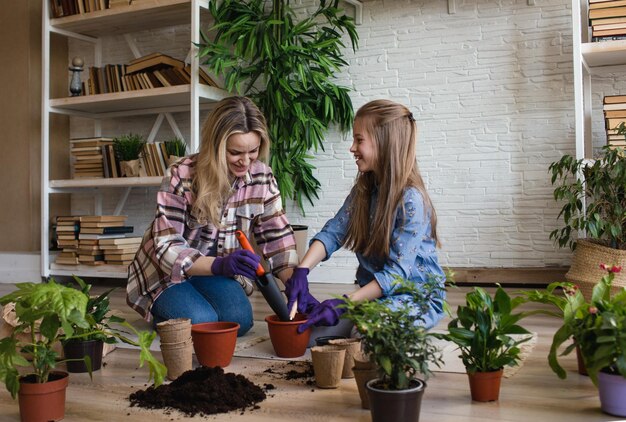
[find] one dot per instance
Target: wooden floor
(534, 394)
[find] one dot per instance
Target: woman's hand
(297, 289)
(240, 262)
(326, 313)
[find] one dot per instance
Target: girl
(190, 264)
(388, 220)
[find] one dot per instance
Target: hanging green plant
(287, 67)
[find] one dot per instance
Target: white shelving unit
(589, 57)
(161, 102)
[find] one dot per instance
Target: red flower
(616, 269)
(603, 266)
(593, 310)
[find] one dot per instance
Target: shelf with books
(112, 271)
(140, 16)
(604, 53)
(145, 101)
(116, 182)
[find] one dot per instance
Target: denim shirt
(412, 252)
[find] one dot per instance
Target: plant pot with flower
(599, 326)
(594, 195)
(482, 331)
(48, 312)
(399, 347)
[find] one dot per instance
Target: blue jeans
(205, 299)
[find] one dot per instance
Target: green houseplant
(128, 149)
(594, 202)
(287, 66)
(400, 347)
(48, 312)
(175, 148)
(103, 327)
(483, 330)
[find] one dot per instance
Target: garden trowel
(266, 283)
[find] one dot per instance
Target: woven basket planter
(585, 270)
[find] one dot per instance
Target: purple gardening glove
(240, 262)
(297, 288)
(326, 313)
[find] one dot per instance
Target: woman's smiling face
(241, 150)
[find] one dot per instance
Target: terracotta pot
(485, 386)
(396, 405)
(43, 402)
(214, 342)
(285, 339)
(78, 349)
(582, 369)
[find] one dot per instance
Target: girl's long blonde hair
(394, 133)
(212, 183)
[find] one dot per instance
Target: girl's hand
(240, 262)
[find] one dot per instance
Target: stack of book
(155, 70)
(614, 116)
(67, 228)
(607, 19)
(87, 156)
(60, 8)
(120, 251)
(94, 229)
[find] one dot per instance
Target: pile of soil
(294, 370)
(201, 391)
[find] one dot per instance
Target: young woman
(190, 265)
(388, 220)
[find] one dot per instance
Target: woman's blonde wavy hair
(212, 181)
(394, 133)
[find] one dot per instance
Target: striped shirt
(176, 239)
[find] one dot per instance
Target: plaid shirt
(176, 239)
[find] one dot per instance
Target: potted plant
(594, 195)
(176, 148)
(287, 66)
(399, 346)
(482, 331)
(599, 327)
(567, 299)
(128, 149)
(83, 350)
(48, 312)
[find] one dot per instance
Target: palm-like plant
(286, 66)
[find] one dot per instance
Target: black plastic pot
(395, 405)
(78, 349)
(324, 340)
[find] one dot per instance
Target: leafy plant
(128, 147)
(287, 67)
(567, 304)
(482, 330)
(599, 328)
(51, 313)
(393, 337)
(176, 147)
(602, 185)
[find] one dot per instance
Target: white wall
(491, 87)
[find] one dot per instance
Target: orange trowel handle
(243, 240)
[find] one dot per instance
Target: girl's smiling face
(363, 147)
(241, 150)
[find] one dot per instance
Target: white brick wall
(491, 88)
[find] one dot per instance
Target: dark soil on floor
(202, 391)
(294, 370)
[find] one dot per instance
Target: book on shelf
(120, 241)
(612, 123)
(99, 237)
(612, 99)
(100, 218)
(118, 257)
(605, 4)
(153, 61)
(609, 12)
(614, 106)
(107, 230)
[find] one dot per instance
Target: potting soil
(201, 391)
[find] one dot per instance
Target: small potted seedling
(176, 148)
(128, 149)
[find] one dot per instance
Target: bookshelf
(589, 58)
(161, 102)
